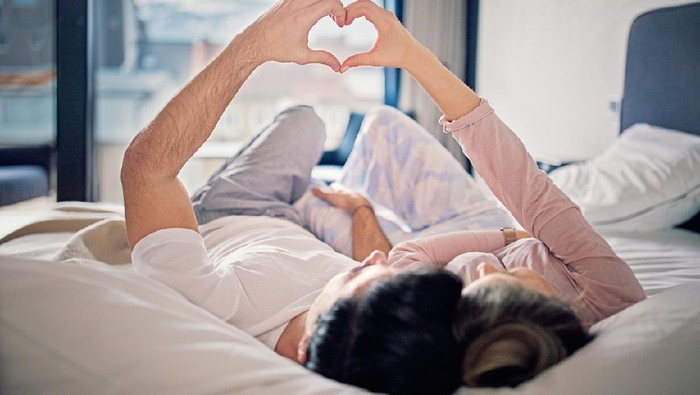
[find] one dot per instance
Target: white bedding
(660, 259)
(86, 327)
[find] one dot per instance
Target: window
(148, 49)
(27, 97)
(27, 77)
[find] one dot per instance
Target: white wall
(551, 67)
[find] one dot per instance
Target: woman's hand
(341, 198)
(282, 33)
(394, 46)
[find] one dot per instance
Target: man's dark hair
(396, 338)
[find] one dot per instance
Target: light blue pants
(415, 185)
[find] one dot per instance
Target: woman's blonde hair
(509, 334)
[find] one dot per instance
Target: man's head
(387, 331)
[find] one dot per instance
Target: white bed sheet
(660, 259)
(86, 327)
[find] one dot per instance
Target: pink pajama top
(579, 264)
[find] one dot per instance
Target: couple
(472, 307)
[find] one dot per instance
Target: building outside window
(27, 72)
(27, 100)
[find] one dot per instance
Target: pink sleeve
(539, 206)
(437, 251)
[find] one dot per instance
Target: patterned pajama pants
(416, 187)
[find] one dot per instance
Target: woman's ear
(302, 348)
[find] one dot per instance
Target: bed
(75, 318)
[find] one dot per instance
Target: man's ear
(302, 348)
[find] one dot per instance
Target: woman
(527, 302)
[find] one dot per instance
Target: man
(242, 252)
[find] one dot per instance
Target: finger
(323, 57)
(334, 8)
(339, 20)
(360, 59)
(362, 8)
(337, 187)
(304, 3)
(319, 193)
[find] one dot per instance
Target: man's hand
(341, 198)
(367, 235)
(282, 33)
(394, 46)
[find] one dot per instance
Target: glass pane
(148, 49)
(27, 94)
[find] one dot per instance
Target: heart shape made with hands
(343, 42)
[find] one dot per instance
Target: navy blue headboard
(662, 75)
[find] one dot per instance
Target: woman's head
(511, 331)
(395, 337)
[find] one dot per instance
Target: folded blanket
(99, 232)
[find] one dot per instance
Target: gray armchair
(24, 173)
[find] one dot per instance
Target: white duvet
(86, 327)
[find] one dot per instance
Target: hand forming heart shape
(342, 42)
(282, 34)
(393, 40)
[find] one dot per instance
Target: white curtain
(440, 26)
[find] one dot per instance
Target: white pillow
(89, 328)
(649, 179)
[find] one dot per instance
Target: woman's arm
(438, 251)
(503, 162)
(496, 153)
(396, 47)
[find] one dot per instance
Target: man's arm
(154, 198)
(367, 235)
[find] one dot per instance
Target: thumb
(325, 196)
(360, 59)
(323, 57)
